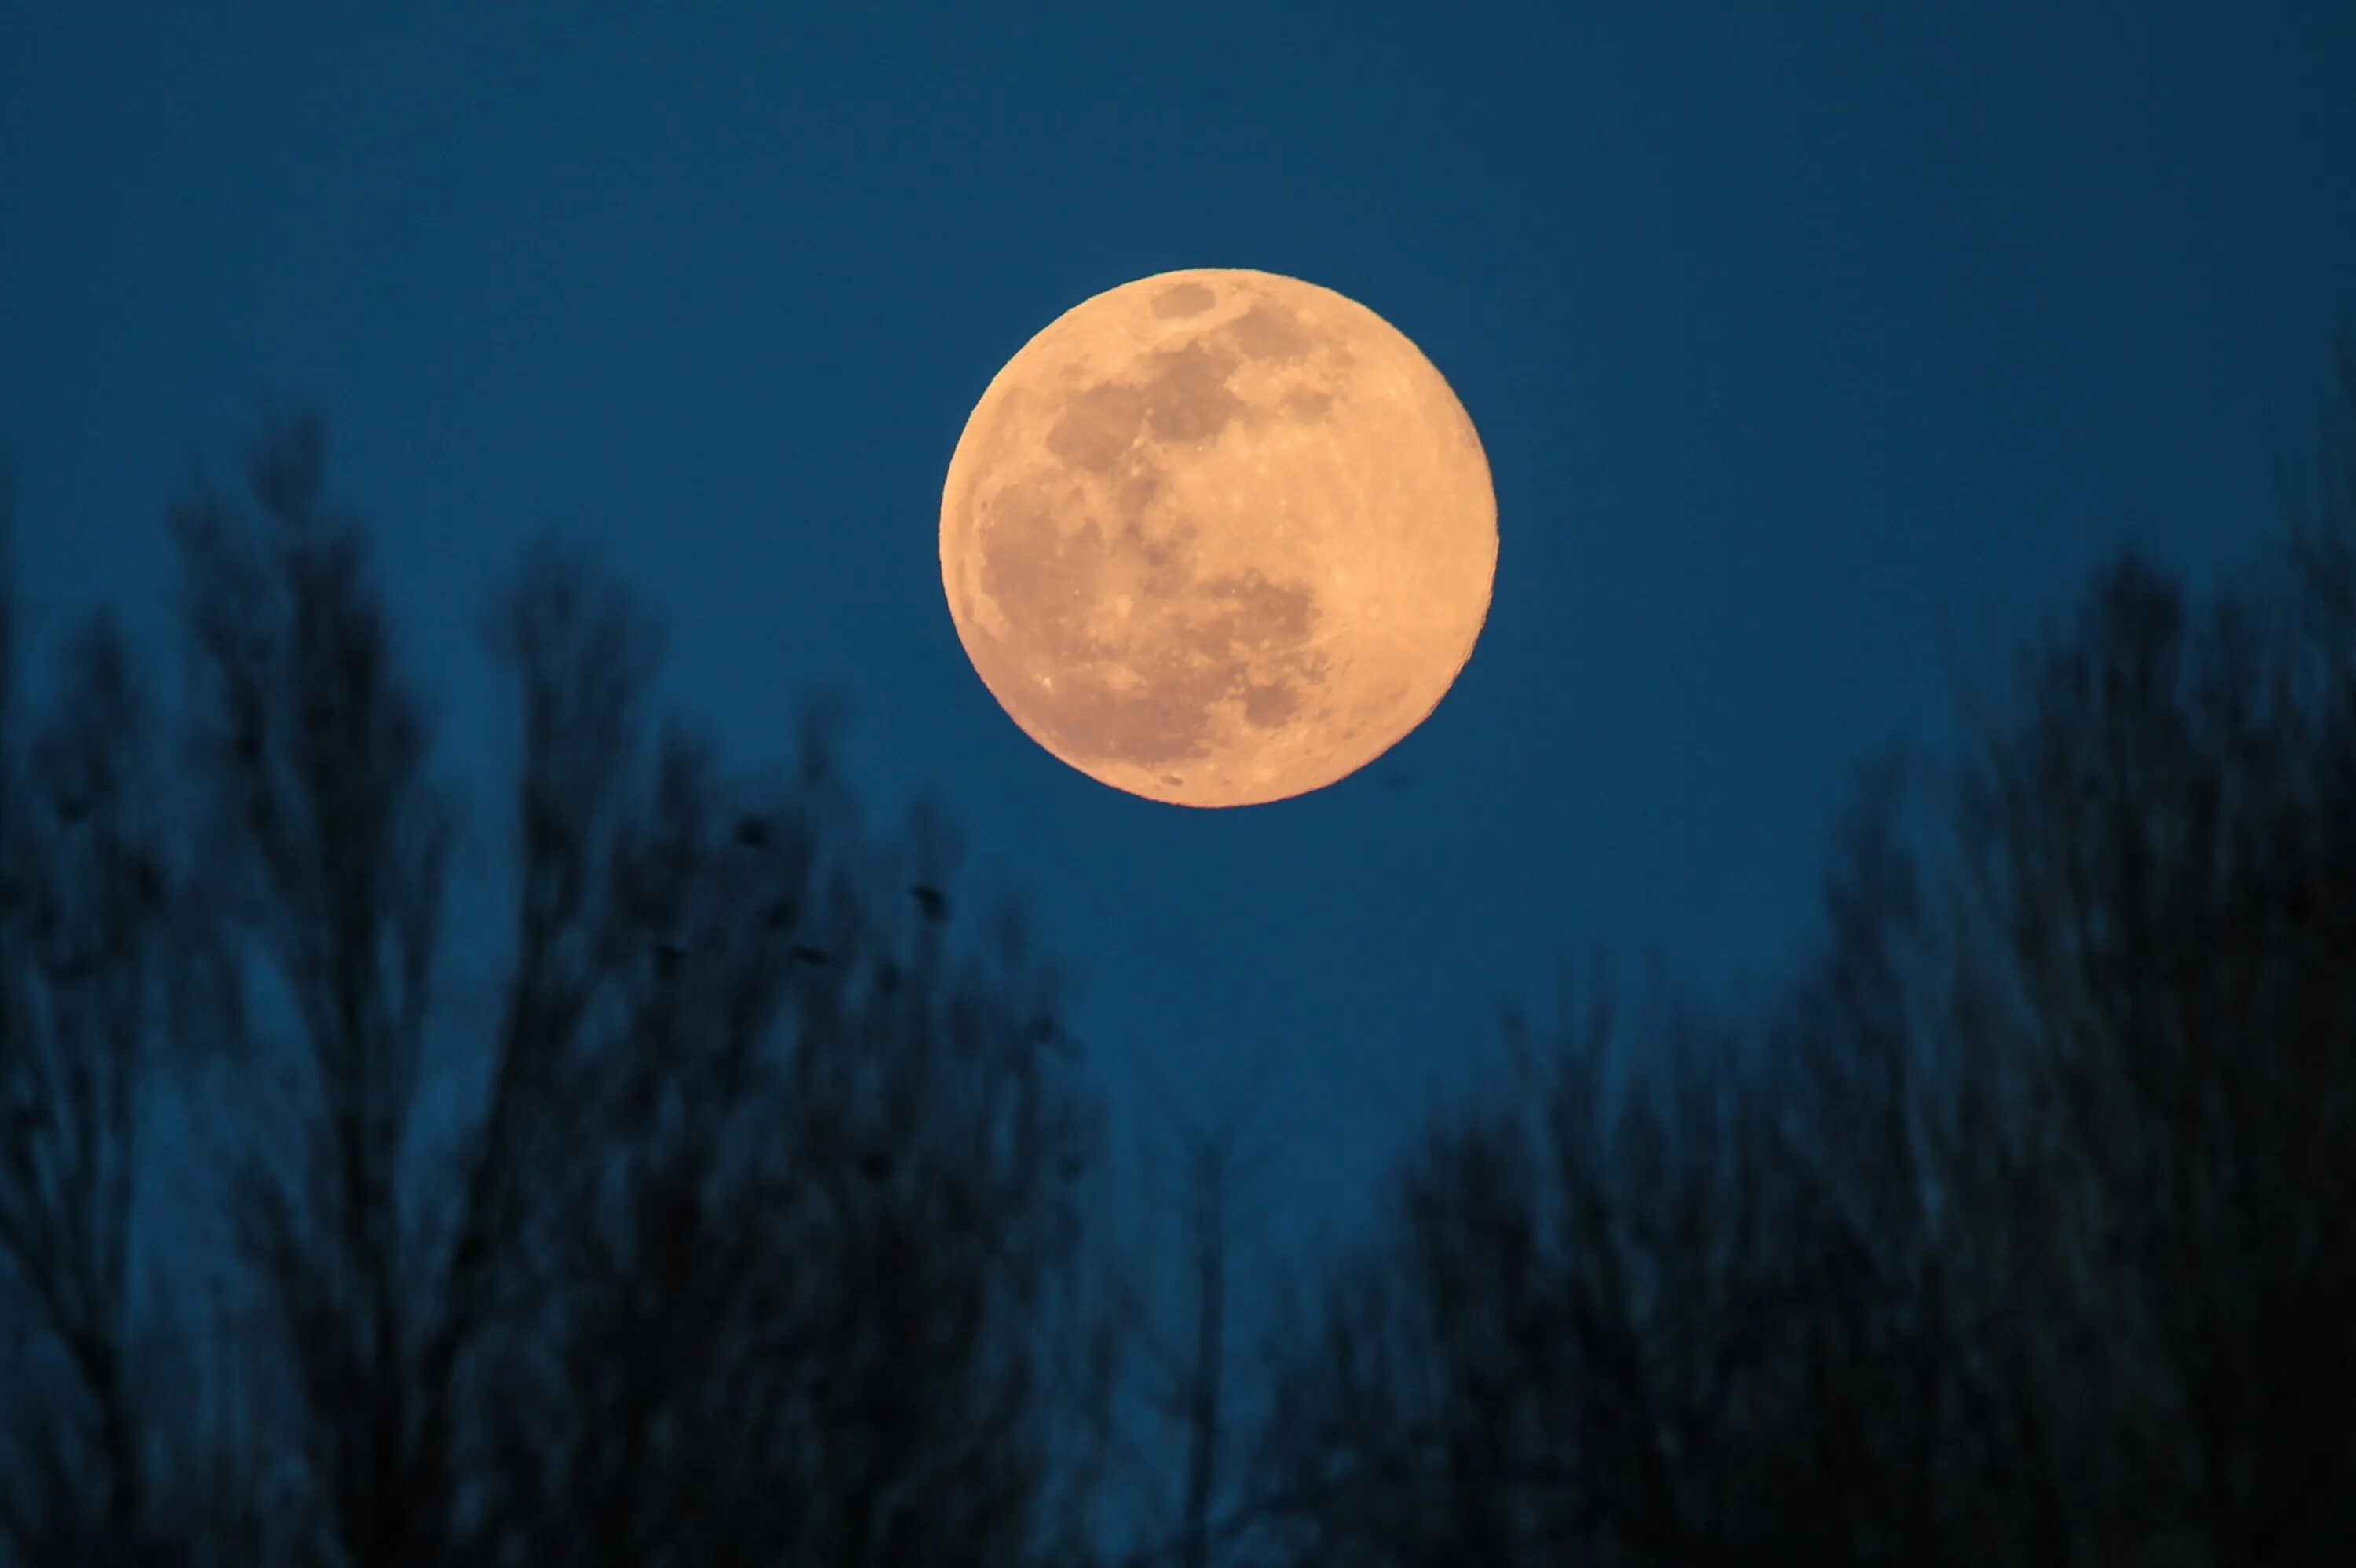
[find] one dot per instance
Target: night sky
(1805, 342)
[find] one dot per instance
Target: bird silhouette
(810, 955)
(931, 901)
(752, 832)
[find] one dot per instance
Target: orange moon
(1219, 537)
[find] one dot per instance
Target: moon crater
(1217, 538)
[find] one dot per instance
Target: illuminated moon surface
(1217, 538)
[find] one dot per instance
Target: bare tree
(743, 1227)
(2173, 852)
(328, 846)
(1196, 1208)
(84, 911)
(2017, 1231)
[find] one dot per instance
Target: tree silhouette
(86, 910)
(741, 1226)
(2016, 1230)
(1177, 1338)
(709, 1183)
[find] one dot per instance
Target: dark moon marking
(1195, 640)
(1267, 706)
(1096, 426)
(1188, 398)
(1182, 300)
(1269, 332)
(1137, 491)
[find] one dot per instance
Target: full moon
(1219, 537)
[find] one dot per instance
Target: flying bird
(752, 832)
(931, 903)
(810, 955)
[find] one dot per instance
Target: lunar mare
(1217, 538)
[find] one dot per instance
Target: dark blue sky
(1789, 331)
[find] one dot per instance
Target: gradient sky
(1790, 331)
